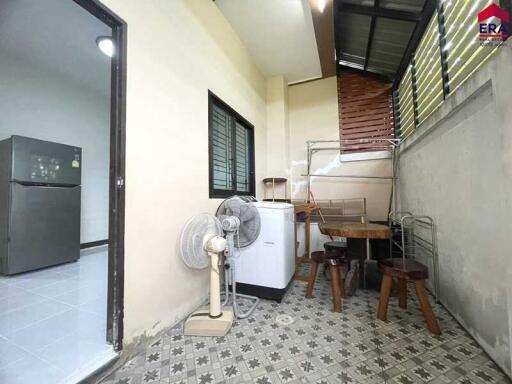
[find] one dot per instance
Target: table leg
(356, 251)
(307, 234)
(368, 258)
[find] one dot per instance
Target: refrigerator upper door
(43, 162)
(44, 227)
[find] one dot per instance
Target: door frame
(115, 301)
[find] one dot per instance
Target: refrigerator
(40, 188)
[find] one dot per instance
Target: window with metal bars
(450, 51)
(407, 121)
(231, 151)
(428, 71)
(465, 51)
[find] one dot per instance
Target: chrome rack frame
(414, 236)
(390, 145)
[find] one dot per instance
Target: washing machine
(266, 267)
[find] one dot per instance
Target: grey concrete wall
(457, 168)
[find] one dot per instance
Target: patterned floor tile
(320, 346)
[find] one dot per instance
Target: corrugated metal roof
(389, 42)
(353, 50)
(372, 35)
(402, 5)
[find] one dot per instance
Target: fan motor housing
(230, 223)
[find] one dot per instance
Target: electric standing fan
(241, 219)
(200, 245)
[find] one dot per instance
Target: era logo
(492, 30)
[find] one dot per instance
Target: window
(465, 53)
(231, 151)
(454, 45)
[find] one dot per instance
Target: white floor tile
(83, 294)
(33, 280)
(97, 306)
(8, 290)
(18, 299)
(30, 370)
(16, 320)
(67, 284)
(9, 353)
(53, 322)
(73, 351)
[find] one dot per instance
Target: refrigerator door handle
(39, 185)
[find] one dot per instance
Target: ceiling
(57, 35)
(279, 35)
(376, 36)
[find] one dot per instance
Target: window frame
(224, 193)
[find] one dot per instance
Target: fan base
(200, 324)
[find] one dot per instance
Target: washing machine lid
(271, 205)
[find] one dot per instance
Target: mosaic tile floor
(318, 347)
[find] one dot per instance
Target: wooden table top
(356, 230)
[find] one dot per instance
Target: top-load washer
(266, 267)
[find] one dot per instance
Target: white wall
(313, 114)
(278, 134)
(457, 168)
(177, 50)
(40, 103)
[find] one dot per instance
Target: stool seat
(335, 246)
(321, 256)
(403, 269)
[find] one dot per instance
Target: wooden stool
(403, 271)
(338, 247)
(337, 278)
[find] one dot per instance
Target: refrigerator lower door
(44, 227)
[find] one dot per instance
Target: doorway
(63, 293)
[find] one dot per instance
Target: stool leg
(402, 293)
(311, 280)
(342, 283)
(428, 314)
(385, 291)
(336, 289)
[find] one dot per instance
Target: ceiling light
(321, 4)
(106, 45)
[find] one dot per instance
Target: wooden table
(357, 231)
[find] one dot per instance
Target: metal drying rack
(413, 237)
(389, 145)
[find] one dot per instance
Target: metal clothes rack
(389, 145)
(413, 237)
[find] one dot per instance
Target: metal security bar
(464, 49)
(406, 105)
(451, 49)
(231, 151)
(222, 136)
(429, 74)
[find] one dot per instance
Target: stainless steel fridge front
(43, 205)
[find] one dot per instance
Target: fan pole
(215, 308)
